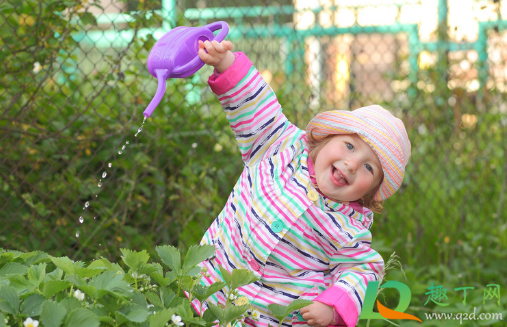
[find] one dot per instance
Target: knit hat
(385, 134)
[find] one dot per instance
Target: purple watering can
(176, 55)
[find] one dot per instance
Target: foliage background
(69, 107)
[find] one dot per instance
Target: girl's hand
(218, 55)
(318, 314)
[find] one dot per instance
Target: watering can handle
(220, 37)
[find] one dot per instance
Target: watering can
(176, 55)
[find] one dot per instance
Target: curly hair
(314, 147)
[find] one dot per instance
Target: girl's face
(346, 168)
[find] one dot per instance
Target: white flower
(135, 275)
(177, 320)
(29, 322)
(79, 295)
(36, 67)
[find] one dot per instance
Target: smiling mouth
(337, 178)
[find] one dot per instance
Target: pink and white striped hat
(385, 134)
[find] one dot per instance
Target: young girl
(300, 213)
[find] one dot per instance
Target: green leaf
(110, 283)
(36, 274)
(282, 311)
(2, 320)
(167, 296)
(161, 318)
(202, 292)
(160, 279)
(133, 313)
(106, 264)
(6, 257)
(70, 303)
(242, 277)
(56, 274)
(82, 318)
(32, 305)
(9, 300)
(197, 254)
(218, 311)
(13, 268)
(64, 264)
(154, 299)
(195, 271)
(52, 287)
(20, 284)
(209, 316)
(36, 257)
(226, 276)
(298, 304)
(134, 259)
(233, 312)
(88, 18)
(170, 256)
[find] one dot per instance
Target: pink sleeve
(342, 303)
(223, 82)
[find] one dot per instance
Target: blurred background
(79, 178)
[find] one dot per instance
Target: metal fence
(78, 178)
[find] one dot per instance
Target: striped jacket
(299, 249)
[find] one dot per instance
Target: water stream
(104, 175)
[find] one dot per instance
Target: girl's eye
(350, 146)
(369, 168)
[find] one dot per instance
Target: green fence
(74, 84)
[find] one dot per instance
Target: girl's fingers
(205, 57)
(228, 45)
(218, 46)
(210, 48)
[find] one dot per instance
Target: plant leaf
(161, 318)
(36, 274)
(226, 276)
(52, 287)
(134, 259)
(170, 256)
(52, 314)
(82, 318)
(218, 312)
(298, 304)
(233, 312)
(242, 277)
(279, 311)
(10, 303)
(202, 292)
(197, 254)
(110, 283)
(32, 306)
(2, 320)
(105, 264)
(13, 268)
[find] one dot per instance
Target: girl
(300, 213)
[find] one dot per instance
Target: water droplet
(81, 219)
(104, 174)
(119, 152)
(99, 185)
(77, 234)
(87, 204)
(127, 142)
(110, 165)
(96, 196)
(123, 147)
(94, 218)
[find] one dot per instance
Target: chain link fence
(79, 177)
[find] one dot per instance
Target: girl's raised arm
(251, 106)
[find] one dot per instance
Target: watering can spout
(161, 77)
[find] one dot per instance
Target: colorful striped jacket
(299, 249)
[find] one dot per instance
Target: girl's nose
(351, 165)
